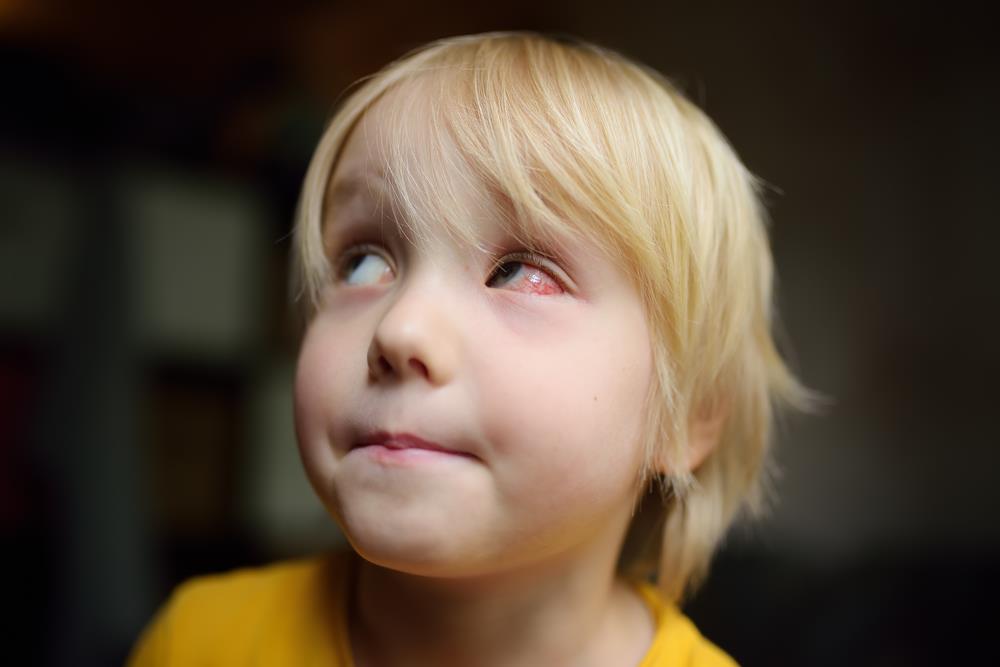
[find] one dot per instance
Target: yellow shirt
(294, 614)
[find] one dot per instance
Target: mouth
(404, 442)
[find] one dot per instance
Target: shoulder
(281, 613)
(257, 586)
(677, 642)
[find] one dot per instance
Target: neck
(556, 612)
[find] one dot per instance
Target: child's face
(533, 377)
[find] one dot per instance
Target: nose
(414, 339)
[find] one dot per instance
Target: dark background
(150, 159)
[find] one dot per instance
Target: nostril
(419, 367)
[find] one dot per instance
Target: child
(538, 294)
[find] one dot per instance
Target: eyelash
(535, 259)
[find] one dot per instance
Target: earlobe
(705, 431)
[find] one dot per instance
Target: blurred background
(150, 159)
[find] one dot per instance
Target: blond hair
(573, 138)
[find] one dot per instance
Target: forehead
(400, 160)
(372, 145)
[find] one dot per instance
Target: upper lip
(405, 441)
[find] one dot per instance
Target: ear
(705, 431)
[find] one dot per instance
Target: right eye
(365, 265)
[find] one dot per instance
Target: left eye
(522, 276)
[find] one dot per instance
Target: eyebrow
(352, 185)
(355, 201)
(343, 192)
(347, 194)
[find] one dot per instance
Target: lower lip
(407, 455)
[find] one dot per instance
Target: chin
(421, 551)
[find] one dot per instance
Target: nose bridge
(416, 335)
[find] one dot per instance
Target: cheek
(327, 361)
(570, 411)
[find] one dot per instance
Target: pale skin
(529, 375)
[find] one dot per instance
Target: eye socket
(365, 265)
(525, 272)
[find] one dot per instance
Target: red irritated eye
(523, 277)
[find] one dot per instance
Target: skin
(503, 551)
